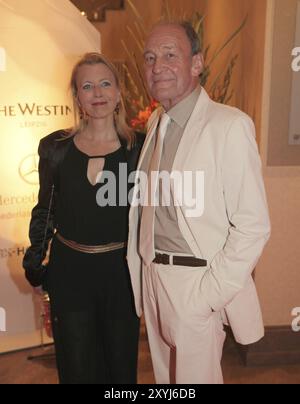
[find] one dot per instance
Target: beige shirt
(167, 235)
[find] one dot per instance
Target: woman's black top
(67, 201)
(79, 217)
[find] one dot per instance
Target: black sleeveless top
(79, 217)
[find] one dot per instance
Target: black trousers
(95, 326)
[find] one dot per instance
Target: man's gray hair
(192, 36)
(189, 30)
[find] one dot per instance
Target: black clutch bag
(37, 277)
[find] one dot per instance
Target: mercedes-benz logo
(28, 169)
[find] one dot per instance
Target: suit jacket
(235, 226)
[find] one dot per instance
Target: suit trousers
(186, 337)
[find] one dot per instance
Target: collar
(182, 111)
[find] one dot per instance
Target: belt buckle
(165, 259)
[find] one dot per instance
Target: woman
(94, 322)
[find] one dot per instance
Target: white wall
(278, 274)
(40, 40)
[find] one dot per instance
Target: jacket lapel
(192, 131)
(151, 133)
(185, 153)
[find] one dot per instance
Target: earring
(117, 110)
(82, 115)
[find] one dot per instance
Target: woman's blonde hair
(122, 128)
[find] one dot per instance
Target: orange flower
(140, 122)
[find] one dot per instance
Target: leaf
(129, 56)
(204, 76)
(205, 53)
(139, 32)
(199, 24)
(218, 52)
(215, 82)
(134, 37)
(141, 79)
(167, 11)
(137, 14)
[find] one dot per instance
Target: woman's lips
(99, 104)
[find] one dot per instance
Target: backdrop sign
(294, 129)
(40, 40)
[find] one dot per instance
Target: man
(196, 269)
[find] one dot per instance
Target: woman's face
(98, 93)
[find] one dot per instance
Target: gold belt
(91, 249)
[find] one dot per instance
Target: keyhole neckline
(96, 157)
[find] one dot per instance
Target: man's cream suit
(234, 227)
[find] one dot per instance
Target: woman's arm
(39, 233)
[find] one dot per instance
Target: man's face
(171, 71)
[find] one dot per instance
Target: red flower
(140, 122)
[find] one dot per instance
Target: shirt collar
(182, 111)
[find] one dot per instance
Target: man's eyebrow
(169, 47)
(147, 52)
(165, 47)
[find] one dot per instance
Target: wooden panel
(280, 152)
(281, 346)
